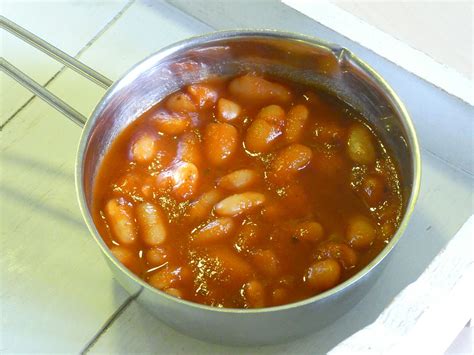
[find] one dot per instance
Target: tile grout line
(118, 312)
(459, 169)
(109, 322)
(90, 344)
(191, 15)
(31, 98)
(77, 56)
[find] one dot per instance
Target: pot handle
(58, 55)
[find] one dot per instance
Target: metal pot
(286, 55)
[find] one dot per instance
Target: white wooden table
(57, 295)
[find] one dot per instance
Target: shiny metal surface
(54, 52)
(285, 55)
(42, 92)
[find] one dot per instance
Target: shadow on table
(42, 207)
(28, 163)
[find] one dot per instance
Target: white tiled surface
(67, 25)
(442, 29)
(143, 29)
(56, 292)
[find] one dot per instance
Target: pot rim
(235, 34)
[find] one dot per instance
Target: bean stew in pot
(247, 192)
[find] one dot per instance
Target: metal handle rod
(42, 92)
(55, 53)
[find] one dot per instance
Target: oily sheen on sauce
(247, 192)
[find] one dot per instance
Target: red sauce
(247, 192)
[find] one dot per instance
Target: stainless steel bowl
(286, 55)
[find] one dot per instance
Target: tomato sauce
(247, 192)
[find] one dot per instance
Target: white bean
(157, 255)
(180, 102)
(360, 232)
(239, 179)
(152, 222)
(238, 204)
(214, 231)
(171, 124)
(254, 294)
(126, 257)
(360, 147)
(267, 262)
(189, 149)
(309, 231)
(227, 110)
(273, 114)
(163, 278)
(221, 142)
(175, 292)
(231, 266)
(204, 96)
(119, 214)
(145, 148)
(295, 124)
(200, 209)
(338, 251)
(261, 136)
(324, 274)
(289, 161)
(182, 179)
(168, 277)
(255, 88)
